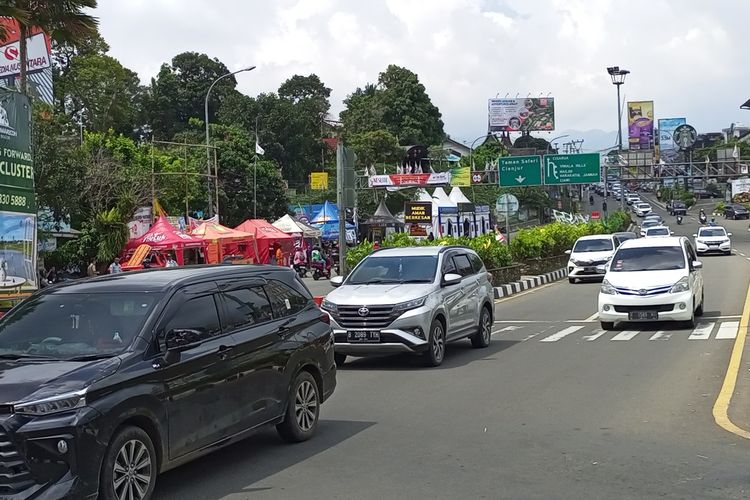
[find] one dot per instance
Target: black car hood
(23, 380)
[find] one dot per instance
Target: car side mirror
(671, 233)
(336, 281)
(697, 264)
(568, 252)
(695, 236)
(729, 234)
(451, 279)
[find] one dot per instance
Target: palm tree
(62, 20)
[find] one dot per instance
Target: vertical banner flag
(259, 150)
(18, 212)
(667, 147)
(641, 124)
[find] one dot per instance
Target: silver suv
(411, 300)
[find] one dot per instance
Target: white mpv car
(588, 256)
(652, 279)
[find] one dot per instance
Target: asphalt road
(554, 408)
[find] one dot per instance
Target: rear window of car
(678, 204)
(644, 205)
(658, 231)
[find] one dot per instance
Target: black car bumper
(32, 465)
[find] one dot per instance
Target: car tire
(607, 325)
(691, 322)
(339, 358)
(435, 353)
(728, 253)
(484, 333)
(699, 311)
(302, 410)
(571, 281)
(130, 451)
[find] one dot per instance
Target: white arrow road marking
(506, 329)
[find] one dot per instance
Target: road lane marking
(721, 406)
(506, 329)
(702, 332)
(626, 335)
(728, 330)
(530, 290)
(561, 334)
(594, 336)
(661, 335)
(592, 318)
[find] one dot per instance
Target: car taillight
(325, 318)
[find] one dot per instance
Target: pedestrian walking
(115, 267)
(91, 270)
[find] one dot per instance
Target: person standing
(170, 261)
(115, 267)
(91, 270)
(279, 256)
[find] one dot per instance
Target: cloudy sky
(690, 56)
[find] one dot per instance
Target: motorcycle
(321, 270)
(301, 270)
(591, 199)
(702, 218)
(679, 220)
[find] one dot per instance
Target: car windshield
(711, 232)
(644, 205)
(650, 223)
(739, 208)
(658, 231)
(70, 325)
(648, 259)
(395, 269)
(596, 245)
(678, 204)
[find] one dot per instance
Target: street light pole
(618, 78)
(208, 144)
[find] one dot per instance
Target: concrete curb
(525, 284)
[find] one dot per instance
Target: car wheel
(129, 467)
(302, 410)
(571, 280)
(435, 352)
(699, 311)
(484, 334)
(607, 325)
(339, 358)
(691, 322)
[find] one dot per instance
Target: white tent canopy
(457, 196)
(423, 195)
(292, 226)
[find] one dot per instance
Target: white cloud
(687, 57)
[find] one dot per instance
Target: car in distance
(631, 198)
(655, 217)
(109, 381)
(658, 232)
(736, 211)
(642, 209)
(676, 208)
(647, 224)
(710, 239)
(412, 300)
(588, 256)
(652, 279)
(623, 236)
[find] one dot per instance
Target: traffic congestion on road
(555, 407)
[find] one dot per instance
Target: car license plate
(643, 315)
(363, 337)
(589, 269)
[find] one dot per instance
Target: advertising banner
(667, 147)
(319, 181)
(531, 113)
(38, 60)
(417, 212)
(461, 176)
(641, 124)
(409, 179)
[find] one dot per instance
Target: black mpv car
(105, 383)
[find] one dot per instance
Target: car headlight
(575, 262)
(411, 304)
(607, 288)
(681, 286)
(54, 404)
(329, 306)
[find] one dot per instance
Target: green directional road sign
(520, 171)
(581, 168)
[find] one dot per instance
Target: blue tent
(328, 213)
(330, 231)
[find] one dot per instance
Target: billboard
(18, 211)
(512, 115)
(418, 212)
(641, 124)
(319, 180)
(38, 60)
(667, 147)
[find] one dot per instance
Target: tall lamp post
(618, 78)
(208, 144)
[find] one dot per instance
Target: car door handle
(224, 351)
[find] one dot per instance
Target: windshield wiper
(92, 357)
(380, 281)
(22, 356)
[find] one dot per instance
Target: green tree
(179, 90)
(63, 20)
(485, 154)
(377, 146)
(100, 93)
(363, 112)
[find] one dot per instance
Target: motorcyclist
(679, 219)
(702, 216)
(300, 259)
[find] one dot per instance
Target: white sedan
(642, 209)
(713, 239)
(658, 232)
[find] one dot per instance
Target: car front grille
(644, 292)
(657, 308)
(351, 317)
(14, 475)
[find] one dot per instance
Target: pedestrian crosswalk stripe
(661, 335)
(626, 335)
(561, 334)
(702, 332)
(595, 335)
(728, 330)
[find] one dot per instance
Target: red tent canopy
(163, 236)
(267, 235)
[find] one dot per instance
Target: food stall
(226, 243)
(163, 238)
(267, 237)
